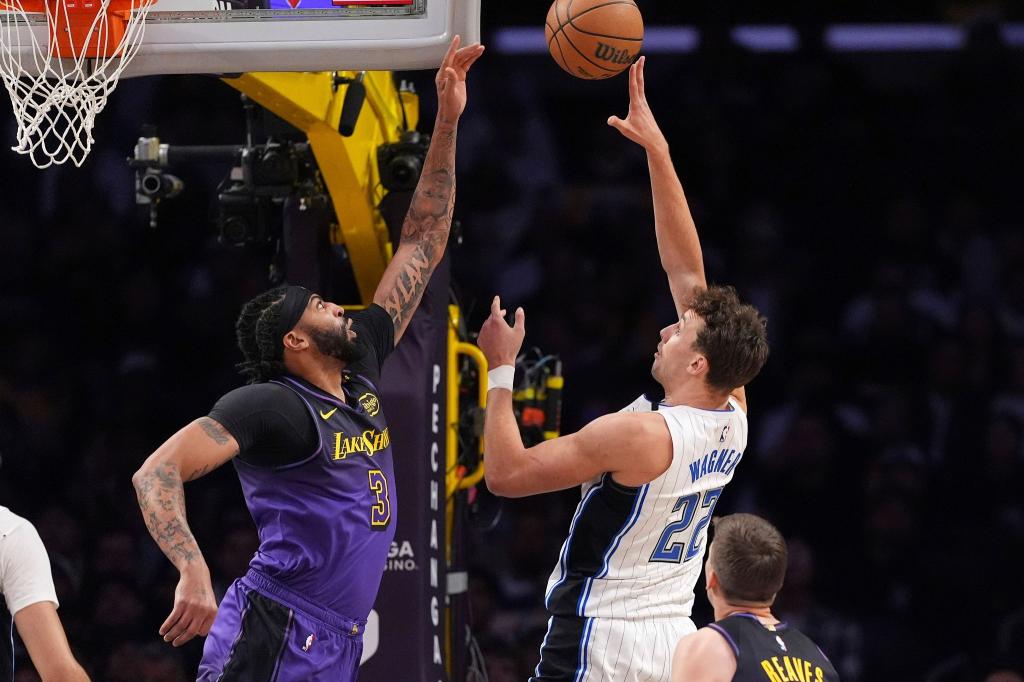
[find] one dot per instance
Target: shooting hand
(500, 342)
(639, 125)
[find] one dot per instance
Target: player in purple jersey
(745, 570)
(311, 447)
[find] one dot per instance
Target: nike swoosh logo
(327, 415)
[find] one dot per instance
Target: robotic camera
(273, 171)
(249, 199)
(264, 173)
(152, 184)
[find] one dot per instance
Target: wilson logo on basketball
(594, 39)
(607, 53)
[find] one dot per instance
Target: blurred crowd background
(869, 204)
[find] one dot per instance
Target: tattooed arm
(194, 451)
(426, 227)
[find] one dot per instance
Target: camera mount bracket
(316, 104)
(313, 103)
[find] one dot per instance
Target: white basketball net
(56, 99)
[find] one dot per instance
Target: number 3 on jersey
(380, 511)
(669, 551)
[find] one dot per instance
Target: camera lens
(151, 184)
(405, 171)
(401, 162)
(235, 230)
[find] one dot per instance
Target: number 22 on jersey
(670, 550)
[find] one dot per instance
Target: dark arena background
(865, 194)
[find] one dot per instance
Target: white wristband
(501, 377)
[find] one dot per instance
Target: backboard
(237, 36)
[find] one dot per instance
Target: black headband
(292, 307)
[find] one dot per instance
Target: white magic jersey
(645, 546)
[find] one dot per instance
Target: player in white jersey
(621, 594)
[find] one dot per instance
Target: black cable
(476, 668)
(401, 104)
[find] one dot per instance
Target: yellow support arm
(455, 479)
(311, 103)
(463, 348)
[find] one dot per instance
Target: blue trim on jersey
(585, 645)
(638, 505)
(634, 516)
(563, 558)
(551, 622)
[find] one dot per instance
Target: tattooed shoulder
(215, 431)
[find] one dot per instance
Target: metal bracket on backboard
(458, 582)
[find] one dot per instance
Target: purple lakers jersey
(326, 522)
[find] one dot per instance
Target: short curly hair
(262, 354)
(734, 337)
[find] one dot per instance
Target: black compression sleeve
(375, 332)
(272, 425)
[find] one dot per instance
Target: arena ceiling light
(782, 38)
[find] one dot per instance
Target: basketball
(594, 39)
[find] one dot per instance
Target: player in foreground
(746, 643)
(622, 592)
(312, 450)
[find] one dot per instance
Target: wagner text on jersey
(715, 462)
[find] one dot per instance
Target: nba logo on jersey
(782, 645)
(725, 432)
(309, 642)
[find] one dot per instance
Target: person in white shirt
(30, 603)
